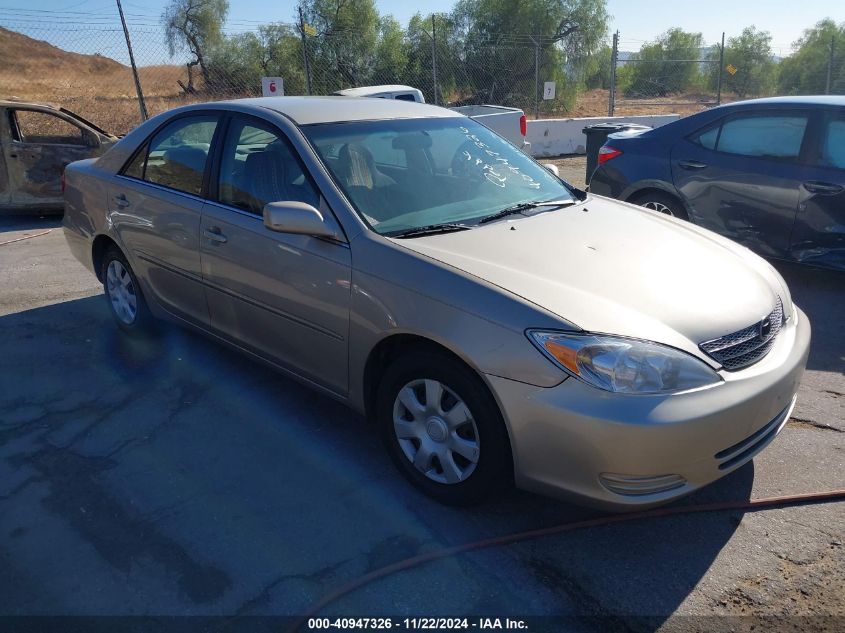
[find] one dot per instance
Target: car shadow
(29, 222)
(170, 475)
(819, 293)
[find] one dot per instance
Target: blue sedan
(767, 173)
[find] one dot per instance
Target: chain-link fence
(450, 67)
(657, 77)
(680, 73)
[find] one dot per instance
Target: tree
(237, 63)
(664, 67)
(597, 69)
(500, 39)
(233, 65)
(418, 53)
(751, 54)
(391, 55)
(195, 25)
(805, 71)
(441, 31)
(343, 51)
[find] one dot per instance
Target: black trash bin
(597, 136)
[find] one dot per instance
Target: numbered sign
(549, 90)
(272, 87)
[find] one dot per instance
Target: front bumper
(574, 440)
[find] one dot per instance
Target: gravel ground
(176, 477)
(572, 169)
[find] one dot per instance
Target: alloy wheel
(657, 206)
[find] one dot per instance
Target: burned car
(36, 143)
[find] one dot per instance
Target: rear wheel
(662, 203)
(123, 292)
(442, 428)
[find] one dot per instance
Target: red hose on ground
(25, 237)
(507, 539)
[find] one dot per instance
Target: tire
(662, 203)
(123, 295)
(460, 444)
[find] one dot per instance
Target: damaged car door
(36, 150)
(818, 236)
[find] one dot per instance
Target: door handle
(691, 164)
(121, 202)
(213, 234)
(823, 188)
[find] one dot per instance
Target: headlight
(624, 365)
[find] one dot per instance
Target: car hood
(607, 266)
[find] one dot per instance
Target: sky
(62, 22)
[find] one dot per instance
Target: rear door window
(381, 147)
(766, 136)
(832, 152)
(709, 138)
(176, 155)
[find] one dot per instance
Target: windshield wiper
(525, 206)
(432, 229)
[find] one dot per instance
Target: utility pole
(141, 105)
(305, 51)
(434, 56)
(830, 64)
(536, 78)
(721, 71)
(614, 56)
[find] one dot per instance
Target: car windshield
(408, 174)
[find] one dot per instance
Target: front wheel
(442, 428)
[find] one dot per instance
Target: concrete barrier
(557, 137)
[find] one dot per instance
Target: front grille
(748, 345)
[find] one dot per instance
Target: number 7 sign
(549, 90)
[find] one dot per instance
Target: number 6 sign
(272, 87)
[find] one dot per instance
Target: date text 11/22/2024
(423, 624)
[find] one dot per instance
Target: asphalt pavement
(174, 477)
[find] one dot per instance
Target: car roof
(821, 100)
(363, 91)
(335, 109)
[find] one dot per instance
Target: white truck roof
(382, 90)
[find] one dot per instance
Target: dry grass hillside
(97, 87)
(23, 56)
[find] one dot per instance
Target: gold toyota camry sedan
(496, 323)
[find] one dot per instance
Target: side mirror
(298, 218)
(552, 168)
